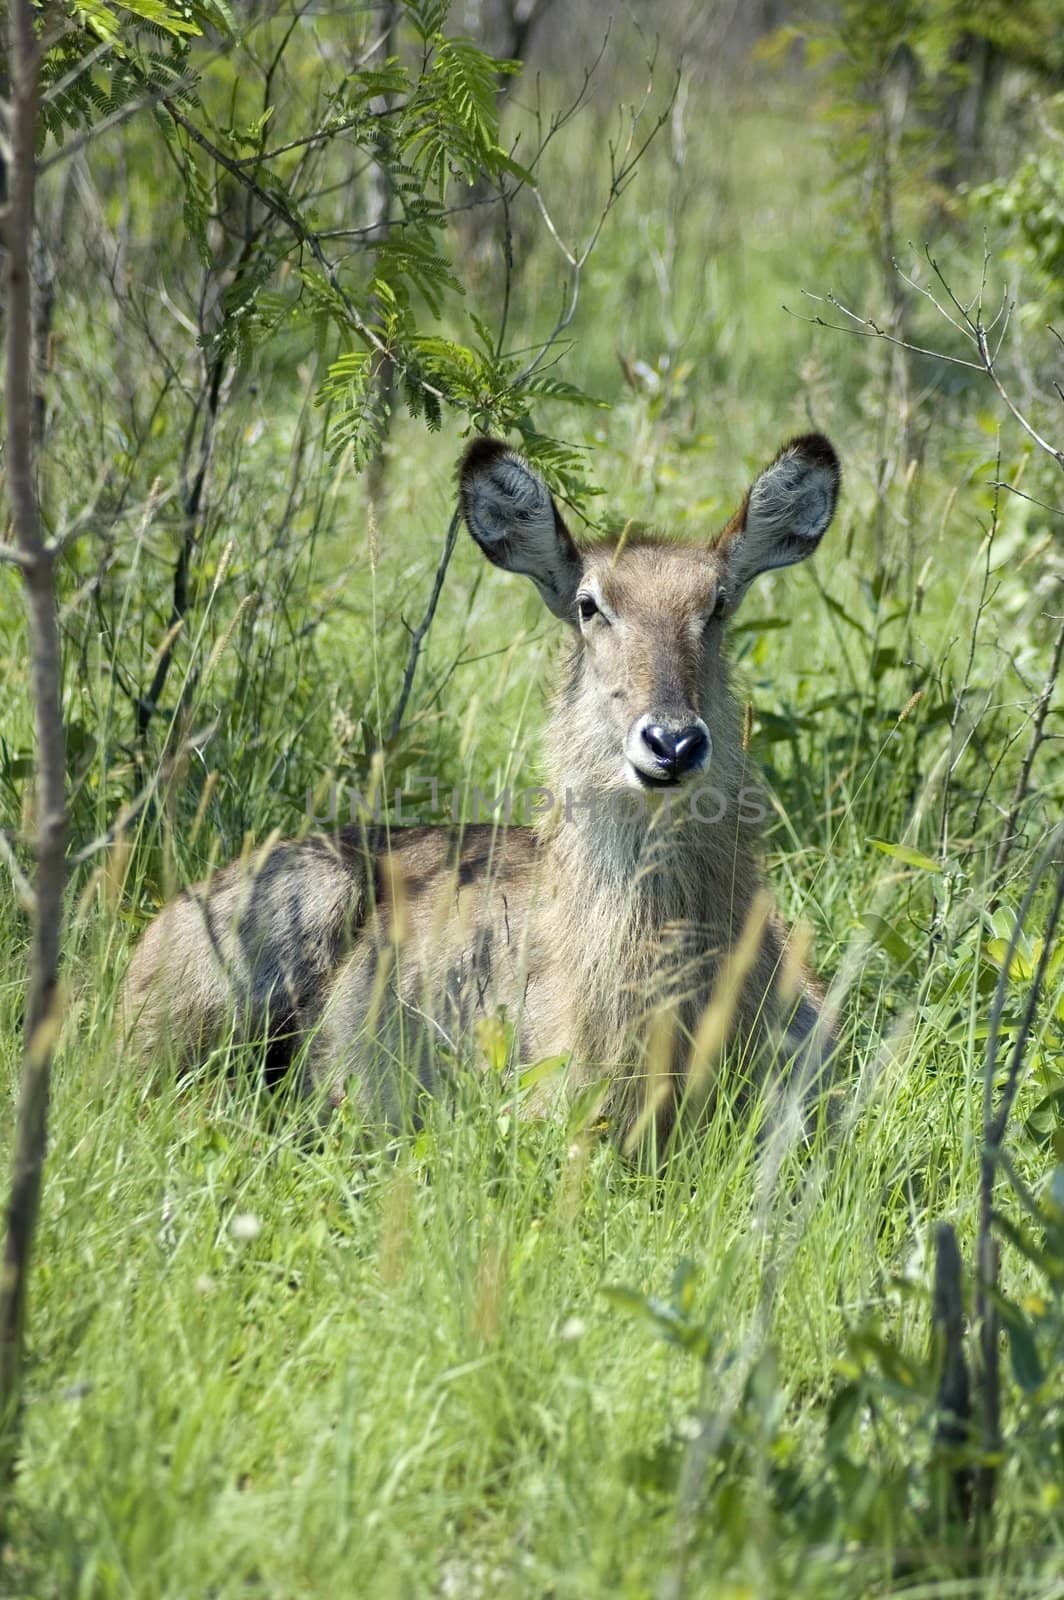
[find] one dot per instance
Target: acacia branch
(148, 704)
(155, 97)
(38, 572)
(624, 158)
(295, 224)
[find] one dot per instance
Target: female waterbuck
(628, 931)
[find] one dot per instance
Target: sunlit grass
(267, 1360)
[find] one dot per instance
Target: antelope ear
(785, 515)
(510, 513)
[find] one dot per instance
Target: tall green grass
(270, 1363)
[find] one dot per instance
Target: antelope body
(629, 930)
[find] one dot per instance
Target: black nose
(676, 752)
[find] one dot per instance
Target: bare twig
(1021, 494)
(38, 571)
(970, 327)
(624, 158)
(960, 697)
(381, 205)
(991, 372)
(417, 638)
(148, 704)
(868, 328)
(23, 887)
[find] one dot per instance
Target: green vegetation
(495, 1359)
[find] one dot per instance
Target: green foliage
(265, 1356)
(452, 125)
(805, 1468)
(106, 22)
(424, 124)
(886, 69)
(820, 1471)
(895, 77)
(1027, 206)
(355, 422)
(1028, 35)
(83, 83)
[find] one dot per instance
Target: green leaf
(1022, 965)
(355, 421)
(390, 79)
(495, 1037)
(215, 14)
(427, 16)
(171, 19)
(99, 19)
(684, 1283)
(654, 1471)
(500, 161)
(250, 138)
(842, 1411)
(774, 727)
(628, 1300)
(888, 938)
(561, 464)
(907, 855)
(546, 388)
(585, 1107)
(667, 1321)
(197, 208)
(1023, 1352)
(549, 1067)
(840, 611)
(759, 625)
(413, 255)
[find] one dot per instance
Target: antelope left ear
(511, 515)
(785, 514)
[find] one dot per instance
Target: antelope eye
(586, 607)
(721, 605)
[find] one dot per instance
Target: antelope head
(646, 700)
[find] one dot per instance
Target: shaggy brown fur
(630, 930)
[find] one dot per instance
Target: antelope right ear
(785, 514)
(510, 513)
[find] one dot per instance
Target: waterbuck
(627, 932)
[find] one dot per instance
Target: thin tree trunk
(36, 563)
